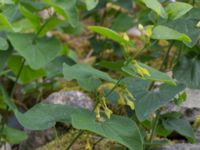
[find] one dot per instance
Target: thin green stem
(154, 126)
(75, 139)
(164, 63)
(193, 2)
(166, 58)
(97, 142)
(40, 30)
(17, 78)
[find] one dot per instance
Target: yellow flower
(97, 111)
(131, 104)
(141, 71)
(88, 145)
(108, 112)
(141, 27)
(148, 30)
(198, 25)
(125, 36)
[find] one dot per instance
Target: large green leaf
(13, 136)
(181, 126)
(5, 24)
(177, 9)
(66, 8)
(31, 16)
(147, 101)
(110, 34)
(155, 75)
(27, 74)
(3, 44)
(122, 23)
(187, 71)
(187, 25)
(44, 116)
(120, 129)
(37, 52)
(91, 4)
(87, 76)
(156, 6)
(164, 32)
(3, 57)
(117, 128)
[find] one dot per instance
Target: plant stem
(154, 127)
(165, 60)
(81, 131)
(17, 78)
(98, 141)
(193, 2)
(164, 63)
(75, 138)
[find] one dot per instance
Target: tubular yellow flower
(141, 27)
(126, 37)
(97, 111)
(142, 71)
(108, 112)
(88, 145)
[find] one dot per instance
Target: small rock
(74, 98)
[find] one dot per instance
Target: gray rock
(74, 98)
(180, 147)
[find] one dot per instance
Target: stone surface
(74, 98)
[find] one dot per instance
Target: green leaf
(27, 74)
(147, 101)
(187, 25)
(37, 52)
(181, 126)
(13, 136)
(87, 76)
(49, 25)
(155, 75)
(122, 23)
(91, 4)
(3, 57)
(110, 34)
(3, 44)
(187, 71)
(117, 128)
(156, 6)
(5, 25)
(177, 9)
(7, 100)
(164, 32)
(44, 116)
(31, 16)
(66, 8)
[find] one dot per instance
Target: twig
(17, 78)
(97, 142)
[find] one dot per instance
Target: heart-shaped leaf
(117, 128)
(87, 76)
(166, 33)
(27, 74)
(187, 71)
(156, 6)
(177, 9)
(38, 52)
(147, 101)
